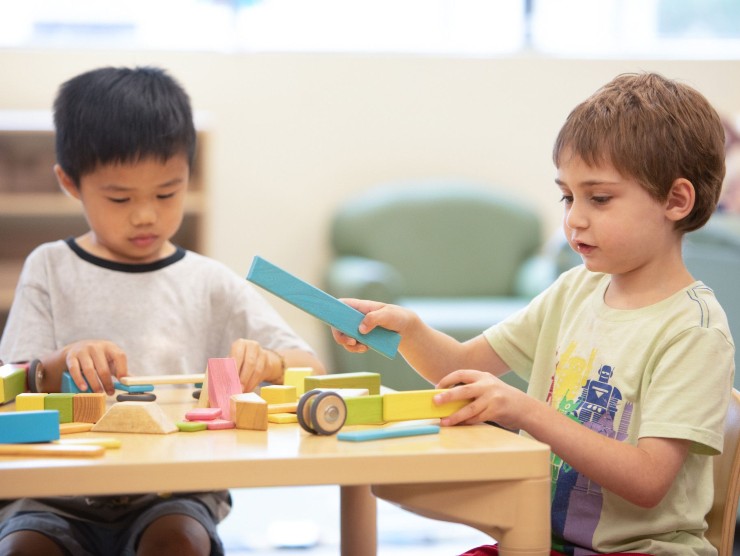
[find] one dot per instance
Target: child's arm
(97, 360)
(430, 352)
(257, 364)
(640, 474)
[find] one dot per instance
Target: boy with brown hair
(628, 358)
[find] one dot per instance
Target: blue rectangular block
(392, 432)
(29, 426)
(321, 305)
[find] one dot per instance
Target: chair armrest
(363, 278)
(535, 275)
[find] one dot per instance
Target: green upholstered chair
(459, 254)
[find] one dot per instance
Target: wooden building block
(249, 411)
(390, 432)
(191, 426)
(68, 385)
(364, 410)
(51, 450)
(321, 305)
(417, 404)
(282, 407)
(28, 426)
(219, 424)
(140, 417)
(279, 393)
(132, 388)
(106, 442)
(282, 418)
(12, 382)
(62, 402)
(203, 413)
(73, 427)
(29, 401)
(89, 407)
(371, 381)
(162, 379)
(296, 376)
(223, 382)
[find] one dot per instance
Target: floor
(293, 521)
(304, 521)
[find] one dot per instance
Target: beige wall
(292, 136)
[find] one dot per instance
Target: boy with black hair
(122, 298)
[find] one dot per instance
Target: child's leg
(175, 534)
(29, 543)
(180, 526)
(40, 533)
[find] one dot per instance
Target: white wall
(292, 136)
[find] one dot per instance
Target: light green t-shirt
(664, 370)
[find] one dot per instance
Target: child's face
(610, 220)
(133, 209)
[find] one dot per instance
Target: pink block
(223, 382)
(203, 413)
(216, 424)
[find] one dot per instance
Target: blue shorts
(87, 538)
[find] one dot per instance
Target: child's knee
(175, 534)
(29, 543)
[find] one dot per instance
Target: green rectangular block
(63, 402)
(371, 381)
(364, 410)
(12, 382)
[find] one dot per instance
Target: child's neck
(646, 287)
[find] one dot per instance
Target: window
(579, 28)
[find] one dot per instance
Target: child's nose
(575, 217)
(143, 215)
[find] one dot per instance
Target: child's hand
(376, 314)
(255, 364)
(98, 361)
(491, 399)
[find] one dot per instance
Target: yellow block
(371, 381)
(417, 404)
(282, 417)
(296, 376)
(278, 393)
(29, 402)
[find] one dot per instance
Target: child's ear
(680, 199)
(66, 183)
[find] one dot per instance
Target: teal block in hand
(321, 305)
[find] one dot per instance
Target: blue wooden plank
(321, 305)
(29, 426)
(391, 432)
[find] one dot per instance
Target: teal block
(69, 386)
(133, 388)
(321, 305)
(63, 402)
(393, 432)
(29, 426)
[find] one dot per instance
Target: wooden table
(481, 476)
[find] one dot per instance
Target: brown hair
(654, 130)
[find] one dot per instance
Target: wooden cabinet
(33, 209)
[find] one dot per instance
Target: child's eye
(600, 200)
(567, 199)
(166, 195)
(118, 199)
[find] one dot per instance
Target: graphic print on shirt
(581, 390)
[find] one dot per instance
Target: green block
(371, 381)
(364, 410)
(62, 402)
(12, 382)
(191, 426)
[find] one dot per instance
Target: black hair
(121, 115)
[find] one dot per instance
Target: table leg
(359, 516)
(514, 513)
